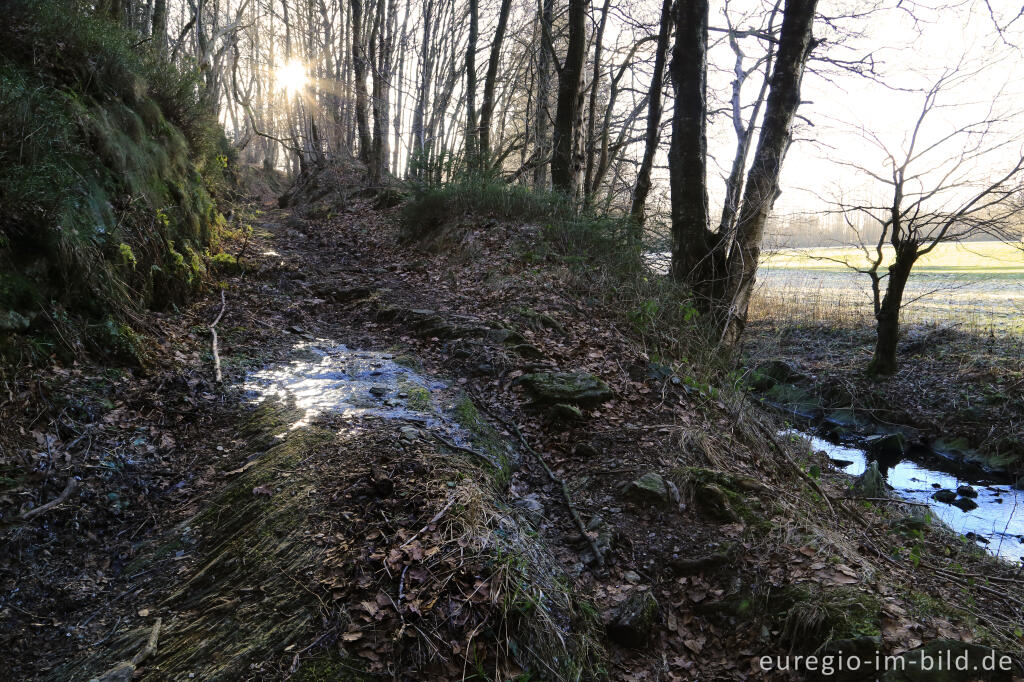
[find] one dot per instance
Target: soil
(350, 549)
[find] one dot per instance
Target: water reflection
(350, 383)
(999, 518)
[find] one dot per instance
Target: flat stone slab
(574, 388)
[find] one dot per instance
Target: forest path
(374, 493)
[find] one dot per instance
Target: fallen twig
(150, 647)
(213, 333)
(469, 451)
(792, 464)
(68, 489)
(598, 554)
(125, 670)
(436, 518)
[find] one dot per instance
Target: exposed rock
(531, 504)
(409, 433)
(871, 483)
(379, 391)
(966, 491)
(563, 412)
(527, 350)
(12, 321)
(714, 501)
(944, 496)
(862, 649)
(632, 621)
(632, 577)
(688, 566)
(343, 294)
(960, 662)
(504, 336)
(773, 372)
(673, 492)
(888, 446)
(578, 388)
(965, 503)
(649, 489)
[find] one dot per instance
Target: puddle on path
(999, 518)
(328, 377)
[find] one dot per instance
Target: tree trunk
(542, 145)
(591, 143)
(487, 108)
(380, 43)
(638, 209)
(696, 256)
(471, 124)
(359, 66)
(564, 170)
(883, 362)
(159, 31)
(421, 150)
(795, 45)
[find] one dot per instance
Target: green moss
(331, 668)
(127, 255)
(87, 120)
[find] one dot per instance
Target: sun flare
(291, 77)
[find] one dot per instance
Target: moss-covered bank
(110, 165)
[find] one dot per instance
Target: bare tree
(720, 267)
(943, 184)
(564, 164)
(638, 207)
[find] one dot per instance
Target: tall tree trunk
(421, 151)
(564, 167)
(638, 209)
(380, 49)
(591, 143)
(359, 67)
(744, 130)
(487, 108)
(696, 254)
(159, 32)
(471, 124)
(883, 362)
(795, 44)
(542, 146)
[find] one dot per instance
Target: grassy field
(977, 286)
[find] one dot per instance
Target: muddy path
(423, 464)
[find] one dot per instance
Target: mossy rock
(862, 649)
(871, 483)
(793, 398)
(649, 489)
(714, 501)
(632, 622)
(565, 414)
(777, 372)
(226, 264)
(577, 388)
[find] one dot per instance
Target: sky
(911, 55)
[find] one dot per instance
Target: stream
(997, 524)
